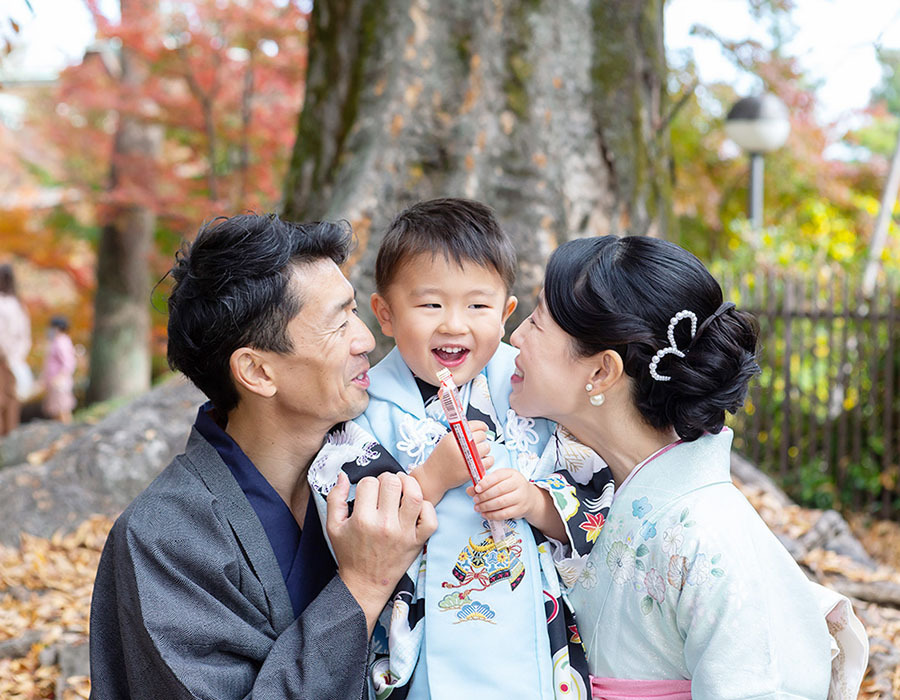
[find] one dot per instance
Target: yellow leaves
(46, 585)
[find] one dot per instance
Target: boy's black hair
(460, 229)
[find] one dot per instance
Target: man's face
(323, 381)
(444, 315)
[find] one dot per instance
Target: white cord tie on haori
(672, 348)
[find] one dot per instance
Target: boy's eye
(479, 306)
(430, 306)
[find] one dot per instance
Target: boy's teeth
(451, 349)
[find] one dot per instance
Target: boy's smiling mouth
(450, 355)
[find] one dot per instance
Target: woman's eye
(531, 321)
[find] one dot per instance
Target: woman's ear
(251, 373)
(608, 368)
(382, 311)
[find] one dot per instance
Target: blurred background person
(58, 374)
(15, 342)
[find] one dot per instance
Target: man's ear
(607, 369)
(382, 311)
(251, 372)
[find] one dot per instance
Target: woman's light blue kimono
(476, 620)
(687, 582)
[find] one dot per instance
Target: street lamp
(758, 125)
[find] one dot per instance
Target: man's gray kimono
(189, 602)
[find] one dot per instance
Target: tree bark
(550, 112)
(882, 223)
(120, 342)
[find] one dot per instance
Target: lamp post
(758, 125)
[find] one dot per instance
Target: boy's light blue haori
(687, 582)
(476, 619)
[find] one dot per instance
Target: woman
(686, 593)
(15, 342)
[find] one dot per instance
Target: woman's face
(549, 379)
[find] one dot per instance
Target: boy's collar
(393, 381)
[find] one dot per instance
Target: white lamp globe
(758, 124)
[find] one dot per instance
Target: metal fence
(824, 416)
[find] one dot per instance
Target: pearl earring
(588, 387)
(597, 400)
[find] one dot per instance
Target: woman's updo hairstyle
(611, 293)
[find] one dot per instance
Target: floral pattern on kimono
(577, 479)
(703, 591)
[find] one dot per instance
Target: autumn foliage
(223, 82)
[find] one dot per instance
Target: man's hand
(446, 468)
(390, 523)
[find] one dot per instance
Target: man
(216, 582)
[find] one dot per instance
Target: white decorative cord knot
(672, 348)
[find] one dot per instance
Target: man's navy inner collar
(305, 562)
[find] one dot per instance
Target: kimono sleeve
(177, 613)
(750, 624)
(352, 449)
(398, 634)
(581, 488)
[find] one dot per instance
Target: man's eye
(355, 311)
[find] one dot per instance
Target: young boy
(477, 618)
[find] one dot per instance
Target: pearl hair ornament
(672, 348)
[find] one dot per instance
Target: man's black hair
(232, 289)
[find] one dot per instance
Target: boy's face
(442, 314)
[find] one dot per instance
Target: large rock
(31, 437)
(103, 469)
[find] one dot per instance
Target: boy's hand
(505, 494)
(445, 467)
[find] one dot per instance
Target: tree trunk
(882, 223)
(550, 112)
(120, 343)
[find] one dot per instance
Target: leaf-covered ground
(45, 592)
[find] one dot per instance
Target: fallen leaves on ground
(881, 540)
(45, 585)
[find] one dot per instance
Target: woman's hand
(504, 494)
